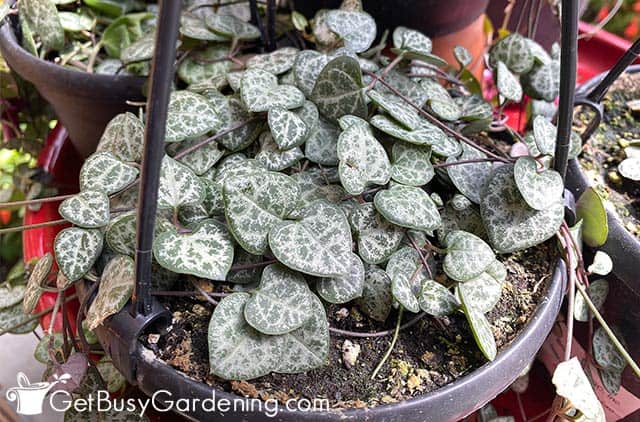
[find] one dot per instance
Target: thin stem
(36, 201)
(33, 226)
(455, 163)
(56, 308)
(391, 345)
(33, 317)
(422, 257)
(206, 295)
(571, 292)
(348, 333)
(218, 135)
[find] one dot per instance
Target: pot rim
(479, 385)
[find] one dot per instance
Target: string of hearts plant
(304, 177)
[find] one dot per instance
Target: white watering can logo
(31, 396)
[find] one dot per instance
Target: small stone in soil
(350, 352)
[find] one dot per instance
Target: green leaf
(115, 382)
(514, 51)
(104, 172)
(11, 295)
(77, 250)
(545, 133)
(474, 108)
(406, 86)
(193, 26)
(469, 178)
(205, 66)
(411, 164)
(467, 257)
(338, 89)
(630, 169)
(14, 315)
(255, 204)
(307, 68)
(480, 326)
(543, 82)
(322, 145)
(605, 352)
(426, 134)
(231, 26)
(462, 55)
(539, 188)
(413, 41)
(139, 51)
(260, 92)
(42, 19)
(319, 243)
(376, 300)
(75, 22)
(437, 300)
(203, 158)
(460, 202)
(277, 62)
(88, 209)
(572, 384)
(121, 234)
(344, 288)
(511, 224)
(123, 137)
(207, 251)
(287, 128)
(37, 280)
(409, 207)
(507, 83)
(179, 186)
(363, 160)
(602, 264)
(595, 223)
(445, 109)
(598, 291)
(356, 29)
(243, 137)
(123, 31)
(116, 286)
(407, 275)
(377, 238)
(281, 303)
(396, 108)
(611, 380)
(274, 158)
(485, 290)
(190, 115)
(41, 352)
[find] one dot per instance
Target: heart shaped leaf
(507, 83)
(11, 295)
(426, 134)
(190, 115)
(208, 67)
(288, 129)
(408, 206)
(611, 380)
(598, 291)
(260, 92)
(437, 300)
(396, 108)
(602, 264)
(469, 178)
(237, 115)
(338, 89)
(445, 109)
(405, 85)
(543, 82)
(377, 238)
(480, 326)
(42, 18)
(205, 252)
(485, 290)
(595, 222)
(407, 275)
(193, 26)
(411, 164)
(179, 186)
(467, 257)
(322, 145)
(116, 286)
(462, 55)
(140, 50)
(514, 51)
(77, 250)
(572, 383)
(104, 172)
(344, 288)
(356, 29)
(630, 169)
(363, 160)
(511, 224)
(121, 234)
(123, 137)
(318, 244)
(256, 203)
(281, 303)
(231, 26)
(14, 316)
(376, 300)
(539, 189)
(88, 209)
(276, 62)
(605, 352)
(274, 158)
(37, 280)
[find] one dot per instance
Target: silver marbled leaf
(411, 164)
(179, 186)
(208, 66)
(274, 158)
(116, 286)
(104, 172)
(38, 279)
(344, 288)
(377, 238)
(277, 62)
(407, 275)
(287, 128)
(598, 291)
(193, 26)
(357, 30)
(437, 300)
(543, 82)
(260, 92)
(322, 145)
(338, 89)
(469, 178)
(376, 300)
(231, 26)
(88, 209)
(467, 257)
(514, 51)
(77, 250)
(409, 207)
(396, 108)
(123, 137)
(480, 326)
(605, 352)
(539, 188)
(507, 83)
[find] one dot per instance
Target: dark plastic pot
(450, 403)
(433, 17)
(83, 102)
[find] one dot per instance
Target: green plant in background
(624, 20)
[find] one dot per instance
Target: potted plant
(263, 191)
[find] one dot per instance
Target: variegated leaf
(409, 207)
(322, 145)
(545, 133)
(207, 251)
(611, 380)
(319, 243)
(287, 128)
(276, 62)
(377, 238)
(121, 233)
(426, 134)
(598, 291)
(411, 164)
(274, 158)
(539, 188)
(260, 92)
(437, 300)
(11, 295)
(192, 26)
(511, 224)
(179, 186)
(88, 209)
(37, 280)
(49, 342)
(338, 89)
(321, 31)
(309, 64)
(363, 160)
(75, 22)
(514, 51)
(123, 137)
(485, 290)
(256, 203)
(480, 327)
(507, 83)
(376, 300)
(460, 202)
(77, 250)
(249, 275)
(474, 108)
(467, 257)
(190, 115)
(206, 66)
(445, 109)
(572, 383)
(345, 288)
(233, 165)
(244, 136)
(115, 289)
(605, 352)
(462, 55)
(543, 82)
(42, 18)
(405, 85)
(13, 316)
(629, 168)
(203, 158)
(601, 265)
(104, 172)
(140, 50)
(407, 275)
(231, 26)
(356, 29)
(115, 382)
(396, 108)
(281, 303)
(237, 350)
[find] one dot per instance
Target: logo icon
(29, 396)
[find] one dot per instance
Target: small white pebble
(350, 352)
(153, 338)
(342, 313)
